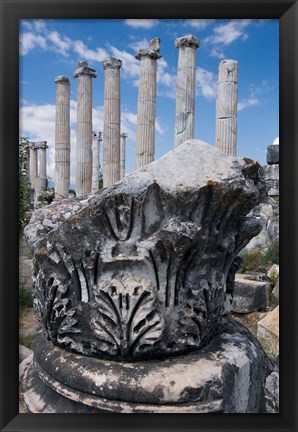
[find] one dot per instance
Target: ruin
(186, 87)
(111, 126)
(84, 129)
(62, 138)
(226, 107)
(138, 273)
(145, 135)
(97, 138)
(123, 137)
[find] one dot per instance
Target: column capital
(123, 135)
(35, 145)
(62, 79)
(187, 41)
(83, 69)
(111, 63)
(153, 51)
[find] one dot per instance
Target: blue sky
(49, 48)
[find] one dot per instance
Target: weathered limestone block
(268, 333)
(273, 154)
(141, 268)
(249, 295)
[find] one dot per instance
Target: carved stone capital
(153, 51)
(83, 69)
(187, 41)
(123, 135)
(62, 79)
(111, 63)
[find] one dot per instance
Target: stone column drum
(111, 128)
(62, 138)
(33, 166)
(226, 107)
(186, 88)
(84, 129)
(43, 166)
(95, 160)
(123, 137)
(145, 135)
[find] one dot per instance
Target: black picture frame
(13, 10)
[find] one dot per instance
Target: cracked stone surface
(139, 270)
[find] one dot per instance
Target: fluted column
(111, 127)
(186, 88)
(95, 160)
(123, 137)
(226, 107)
(33, 166)
(84, 129)
(43, 166)
(145, 135)
(62, 138)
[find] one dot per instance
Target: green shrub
(24, 184)
(258, 260)
(25, 298)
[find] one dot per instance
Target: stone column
(43, 166)
(95, 160)
(62, 138)
(122, 154)
(84, 129)
(226, 107)
(111, 127)
(186, 88)
(33, 166)
(145, 135)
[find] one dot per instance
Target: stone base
(227, 376)
(268, 334)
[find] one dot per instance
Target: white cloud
(29, 41)
(130, 65)
(229, 32)
(62, 45)
(142, 23)
(199, 24)
(217, 53)
(138, 45)
(245, 103)
(159, 129)
(206, 83)
(86, 54)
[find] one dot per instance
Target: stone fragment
(24, 352)
(271, 174)
(273, 154)
(273, 272)
(268, 334)
(272, 393)
(275, 291)
(249, 295)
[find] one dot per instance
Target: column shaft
(122, 154)
(111, 128)
(43, 169)
(186, 89)
(84, 129)
(33, 167)
(226, 107)
(95, 162)
(62, 138)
